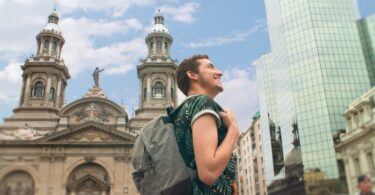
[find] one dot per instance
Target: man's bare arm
(212, 160)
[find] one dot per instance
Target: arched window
(38, 89)
(54, 47)
(89, 178)
(158, 90)
(52, 93)
(17, 182)
(46, 44)
(158, 46)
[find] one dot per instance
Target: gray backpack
(159, 168)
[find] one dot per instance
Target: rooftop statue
(95, 74)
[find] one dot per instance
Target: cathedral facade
(84, 147)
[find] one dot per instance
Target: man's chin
(220, 88)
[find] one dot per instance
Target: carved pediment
(90, 133)
(92, 109)
(93, 112)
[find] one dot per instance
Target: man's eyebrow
(211, 64)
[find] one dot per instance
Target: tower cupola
(159, 39)
(50, 40)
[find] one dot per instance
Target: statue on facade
(95, 74)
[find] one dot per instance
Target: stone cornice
(353, 138)
(44, 66)
(105, 128)
(20, 143)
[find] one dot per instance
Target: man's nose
(219, 73)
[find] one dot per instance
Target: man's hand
(231, 123)
(211, 160)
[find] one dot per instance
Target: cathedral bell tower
(157, 77)
(44, 78)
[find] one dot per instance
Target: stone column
(50, 46)
(351, 167)
(60, 48)
(47, 90)
(58, 91)
(45, 169)
(154, 45)
(348, 174)
(27, 94)
(168, 90)
(119, 158)
(366, 112)
(148, 87)
(141, 92)
(58, 174)
(57, 49)
(41, 46)
(22, 97)
(348, 124)
(354, 121)
(363, 162)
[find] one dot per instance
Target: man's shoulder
(202, 101)
(196, 104)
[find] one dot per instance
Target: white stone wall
(357, 146)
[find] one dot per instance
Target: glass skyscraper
(366, 28)
(273, 156)
(317, 68)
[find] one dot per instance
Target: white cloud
(11, 80)
(114, 8)
(20, 22)
(81, 53)
(240, 95)
(260, 25)
(183, 13)
(121, 69)
(91, 27)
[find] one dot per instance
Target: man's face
(366, 185)
(209, 77)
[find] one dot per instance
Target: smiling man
(206, 134)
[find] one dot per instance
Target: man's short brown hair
(191, 63)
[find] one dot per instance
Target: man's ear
(192, 75)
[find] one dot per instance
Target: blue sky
(110, 34)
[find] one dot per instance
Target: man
(365, 185)
(205, 133)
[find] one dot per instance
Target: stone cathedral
(84, 147)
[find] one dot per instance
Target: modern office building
(250, 166)
(356, 146)
(272, 149)
(366, 29)
(318, 68)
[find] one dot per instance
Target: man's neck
(200, 92)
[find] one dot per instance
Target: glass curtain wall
(318, 69)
